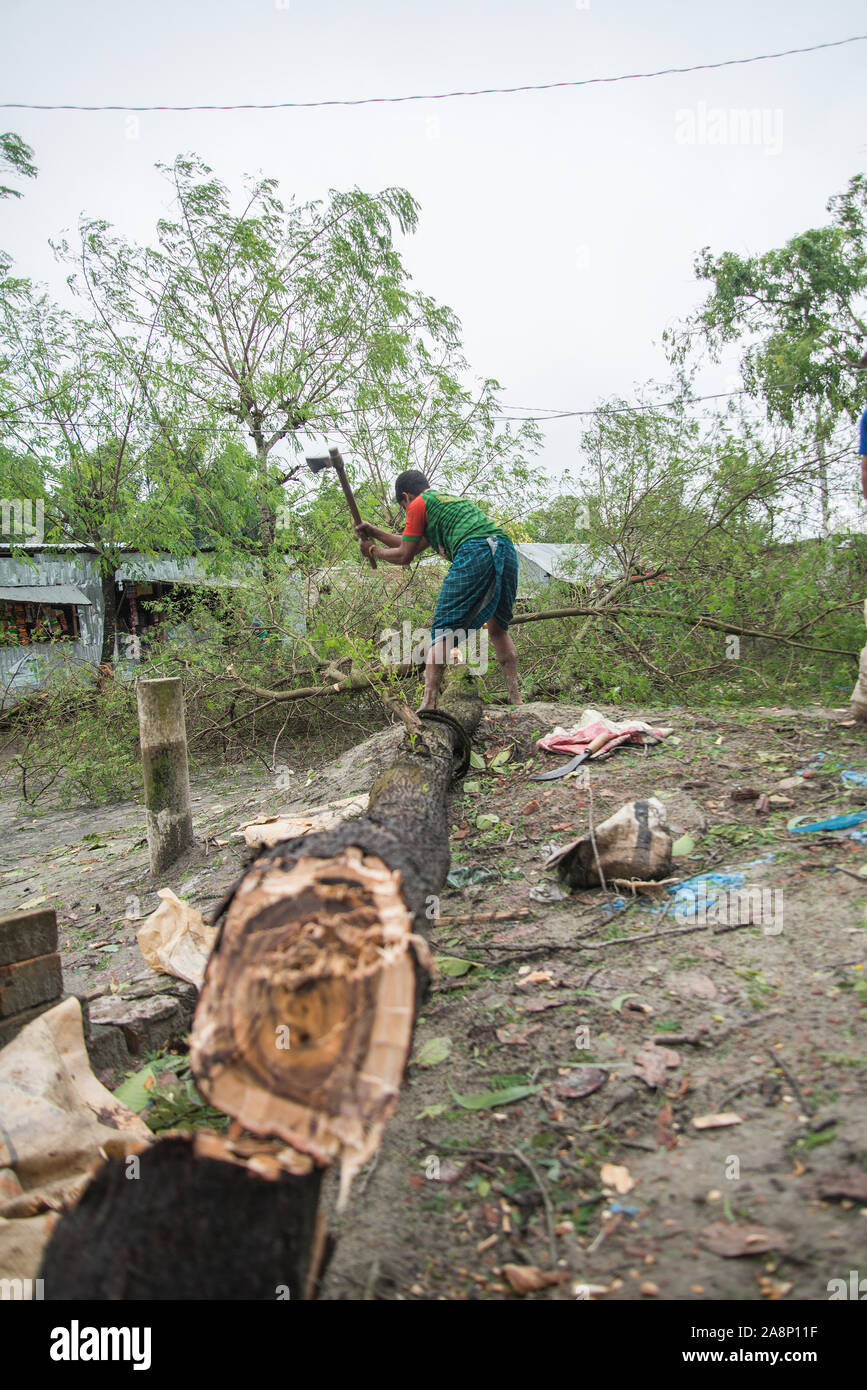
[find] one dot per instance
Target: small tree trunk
(109, 620)
(163, 735)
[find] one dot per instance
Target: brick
(11, 1027)
(29, 982)
(25, 935)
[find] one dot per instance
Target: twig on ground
(791, 1078)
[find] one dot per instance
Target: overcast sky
(560, 226)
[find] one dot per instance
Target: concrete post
(163, 735)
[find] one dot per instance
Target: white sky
(560, 226)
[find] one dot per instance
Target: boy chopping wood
(479, 589)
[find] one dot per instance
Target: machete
(598, 742)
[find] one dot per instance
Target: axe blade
(317, 464)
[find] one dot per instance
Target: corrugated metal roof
(44, 593)
(165, 569)
(558, 561)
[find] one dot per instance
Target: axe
(334, 460)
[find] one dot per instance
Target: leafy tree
(416, 408)
(82, 436)
(15, 157)
(266, 318)
(801, 310)
(799, 313)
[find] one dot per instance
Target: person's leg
(433, 672)
(507, 656)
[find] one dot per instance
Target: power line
(542, 418)
(445, 96)
(616, 410)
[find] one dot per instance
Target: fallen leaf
(430, 1112)
(739, 1238)
(716, 1121)
(685, 845)
(850, 1183)
(486, 1100)
(434, 1051)
(618, 1001)
(514, 1035)
(617, 1176)
(536, 977)
(580, 1082)
(537, 1006)
(530, 808)
(453, 965)
(529, 1278)
(652, 1061)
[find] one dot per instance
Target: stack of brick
(31, 979)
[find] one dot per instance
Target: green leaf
(435, 1050)
(133, 1091)
(430, 1112)
(484, 822)
(617, 1004)
(453, 965)
(489, 1100)
(685, 845)
(472, 787)
(476, 760)
(500, 760)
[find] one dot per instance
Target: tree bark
(302, 1034)
(188, 1224)
(305, 1019)
(109, 620)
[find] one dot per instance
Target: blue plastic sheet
(854, 779)
(832, 823)
(702, 891)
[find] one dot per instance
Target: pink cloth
(577, 741)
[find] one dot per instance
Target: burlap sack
(633, 843)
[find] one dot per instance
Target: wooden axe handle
(337, 460)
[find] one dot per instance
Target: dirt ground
(495, 1158)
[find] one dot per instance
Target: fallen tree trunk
(305, 1019)
(302, 1034)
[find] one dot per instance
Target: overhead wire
(436, 96)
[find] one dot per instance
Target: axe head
(332, 458)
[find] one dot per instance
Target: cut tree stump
(191, 1221)
(302, 1033)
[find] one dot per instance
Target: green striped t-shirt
(446, 522)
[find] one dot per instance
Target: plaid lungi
(481, 584)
